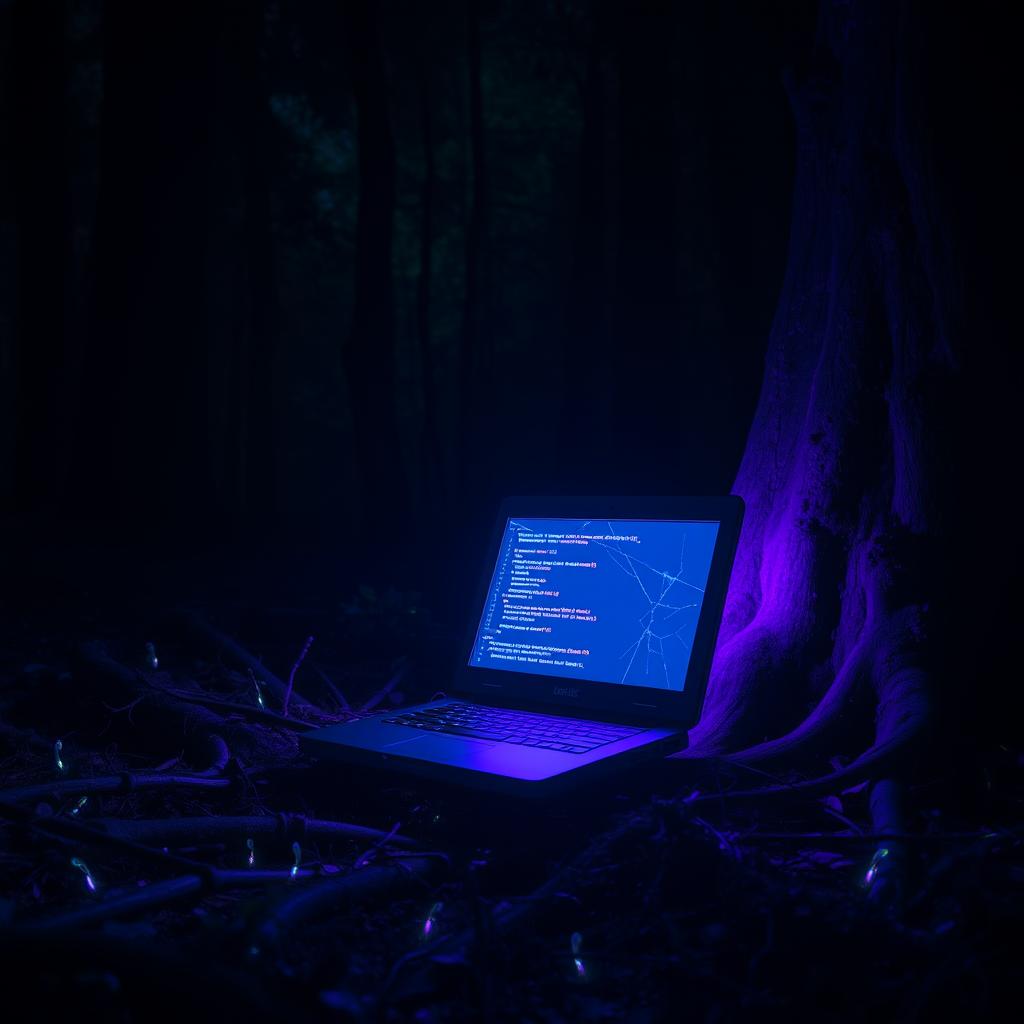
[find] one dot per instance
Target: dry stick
(390, 879)
(126, 782)
(159, 894)
(256, 714)
(291, 675)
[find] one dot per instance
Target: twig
(291, 675)
(126, 782)
(159, 894)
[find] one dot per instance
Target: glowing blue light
(77, 862)
(297, 853)
(57, 748)
(259, 693)
(428, 925)
(872, 872)
(151, 659)
(252, 851)
(81, 803)
(576, 941)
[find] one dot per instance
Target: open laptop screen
(610, 601)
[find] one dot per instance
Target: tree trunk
(146, 405)
(243, 308)
(40, 179)
(433, 488)
(370, 361)
(587, 344)
(645, 415)
(474, 353)
(847, 465)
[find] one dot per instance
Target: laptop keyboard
(570, 735)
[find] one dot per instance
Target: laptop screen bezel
(680, 708)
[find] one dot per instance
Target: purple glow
(581, 971)
(428, 925)
(872, 872)
(252, 851)
(77, 862)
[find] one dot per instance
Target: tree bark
(833, 590)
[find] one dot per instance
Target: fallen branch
(160, 894)
(286, 827)
(390, 878)
(126, 782)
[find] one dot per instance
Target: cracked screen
(611, 601)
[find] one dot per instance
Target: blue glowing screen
(612, 602)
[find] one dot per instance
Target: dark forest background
(318, 270)
(333, 277)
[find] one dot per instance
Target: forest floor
(621, 903)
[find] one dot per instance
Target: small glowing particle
(259, 692)
(428, 925)
(252, 851)
(872, 872)
(576, 941)
(57, 748)
(297, 854)
(77, 862)
(152, 661)
(81, 803)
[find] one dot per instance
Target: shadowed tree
(146, 412)
(841, 599)
(431, 463)
(474, 353)
(587, 313)
(39, 77)
(370, 351)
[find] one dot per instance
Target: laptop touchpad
(442, 748)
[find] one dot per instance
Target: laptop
(589, 647)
